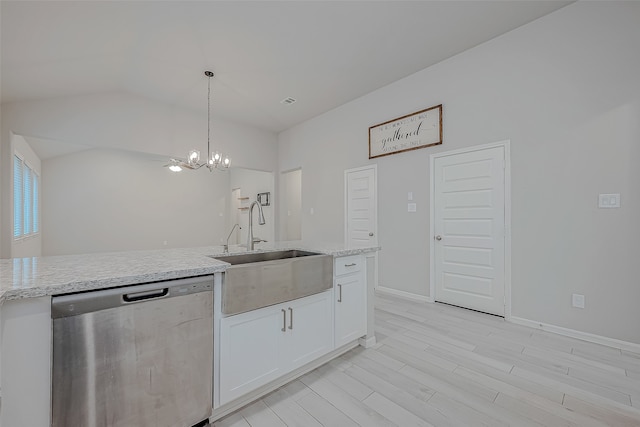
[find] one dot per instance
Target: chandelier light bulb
(194, 156)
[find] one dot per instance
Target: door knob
(370, 234)
(438, 237)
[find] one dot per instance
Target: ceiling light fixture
(216, 160)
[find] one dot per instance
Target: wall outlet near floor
(577, 301)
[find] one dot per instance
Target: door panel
(310, 325)
(468, 284)
(351, 308)
(469, 208)
(361, 208)
(242, 337)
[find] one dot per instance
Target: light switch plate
(411, 207)
(609, 201)
(577, 301)
(410, 195)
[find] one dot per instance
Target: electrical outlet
(609, 201)
(577, 300)
(411, 207)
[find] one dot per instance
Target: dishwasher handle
(87, 302)
(141, 296)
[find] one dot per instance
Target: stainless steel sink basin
(237, 259)
(257, 280)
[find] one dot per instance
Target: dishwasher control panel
(86, 302)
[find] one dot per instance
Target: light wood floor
(445, 366)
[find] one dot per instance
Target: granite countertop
(54, 275)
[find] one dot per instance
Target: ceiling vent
(288, 101)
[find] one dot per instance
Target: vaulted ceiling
(322, 53)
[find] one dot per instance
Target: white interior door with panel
(468, 256)
(361, 207)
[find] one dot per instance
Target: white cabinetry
(25, 338)
(262, 345)
(350, 299)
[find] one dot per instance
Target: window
(25, 199)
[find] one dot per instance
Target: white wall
(103, 200)
(250, 183)
(133, 123)
(291, 205)
(564, 89)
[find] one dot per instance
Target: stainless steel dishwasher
(137, 356)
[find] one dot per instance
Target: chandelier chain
(209, 117)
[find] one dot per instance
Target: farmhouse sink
(257, 280)
(251, 257)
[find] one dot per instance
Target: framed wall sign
(417, 130)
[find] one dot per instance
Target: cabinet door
(351, 308)
(309, 329)
(250, 349)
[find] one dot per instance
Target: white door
(350, 308)
(469, 224)
(361, 207)
(309, 329)
(250, 351)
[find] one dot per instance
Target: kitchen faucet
(226, 247)
(261, 221)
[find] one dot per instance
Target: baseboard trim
(403, 294)
(585, 336)
(367, 342)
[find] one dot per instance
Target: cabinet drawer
(348, 264)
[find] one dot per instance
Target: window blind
(36, 195)
(18, 204)
(26, 194)
(28, 199)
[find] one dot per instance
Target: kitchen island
(27, 285)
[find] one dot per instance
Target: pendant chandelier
(213, 159)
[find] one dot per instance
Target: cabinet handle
(284, 320)
(339, 292)
(350, 265)
(290, 318)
